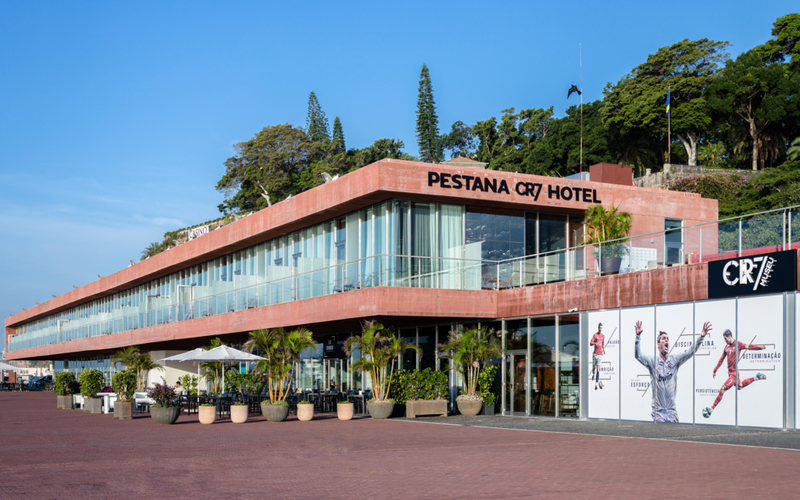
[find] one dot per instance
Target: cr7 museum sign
(755, 274)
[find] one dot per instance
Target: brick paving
(63, 454)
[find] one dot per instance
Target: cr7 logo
(747, 267)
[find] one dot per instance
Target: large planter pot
(305, 412)
(64, 402)
(610, 265)
(165, 416)
(469, 408)
(208, 414)
(344, 411)
(93, 405)
(380, 409)
(488, 409)
(123, 410)
(239, 413)
(274, 413)
(415, 408)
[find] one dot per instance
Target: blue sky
(117, 117)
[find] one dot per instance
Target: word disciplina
(533, 189)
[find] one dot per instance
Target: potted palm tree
(124, 384)
(470, 349)
(379, 347)
(62, 387)
(604, 225)
(91, 384)
(281, 349)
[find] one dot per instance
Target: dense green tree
(638, 101)
(756, 94)
(265, 168)
(430, 149)
(380, 150)
(316, 124)
(784, 44)
(338, 136)
(460, 141)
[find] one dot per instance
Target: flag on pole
(667, 101)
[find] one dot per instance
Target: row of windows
(336, 255)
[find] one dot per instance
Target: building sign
(197, 231)
(333, 348)
(531, 189)
(767, 273)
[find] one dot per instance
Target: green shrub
(62, 382)
(91, 382)
(276, 403)
(345, 402)
(124, 384)
(486, 384)
(207, 405)
(239, 404)
(418, 384)
(189, 382)
(304, 402)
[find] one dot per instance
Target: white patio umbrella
(222, 354)
(186, 356)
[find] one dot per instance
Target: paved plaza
(63, 454)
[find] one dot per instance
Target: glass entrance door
(514, 386)
(336, 375)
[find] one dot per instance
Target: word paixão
(532, 189)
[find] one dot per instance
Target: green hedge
(418, 384)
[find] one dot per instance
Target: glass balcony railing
(757, 233)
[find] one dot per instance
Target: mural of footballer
(598, 341)
(664, 372)
(731, 352)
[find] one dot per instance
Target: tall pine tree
(430, 149)
(338, 136)
(316, 124)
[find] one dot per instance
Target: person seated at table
(179, 389)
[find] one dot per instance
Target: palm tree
(606, 225)
(468, 350)
(144, 364)
(379, 347)
(794, 149)
(127, 356)
(282, 349)
(152, 249)
(212, 370)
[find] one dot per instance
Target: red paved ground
(59, 454)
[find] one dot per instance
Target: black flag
(572, 89)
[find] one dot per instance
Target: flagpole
(580, 58)
(669, 128)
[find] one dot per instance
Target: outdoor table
(223, 403)
(108, 399)
(358, 400)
